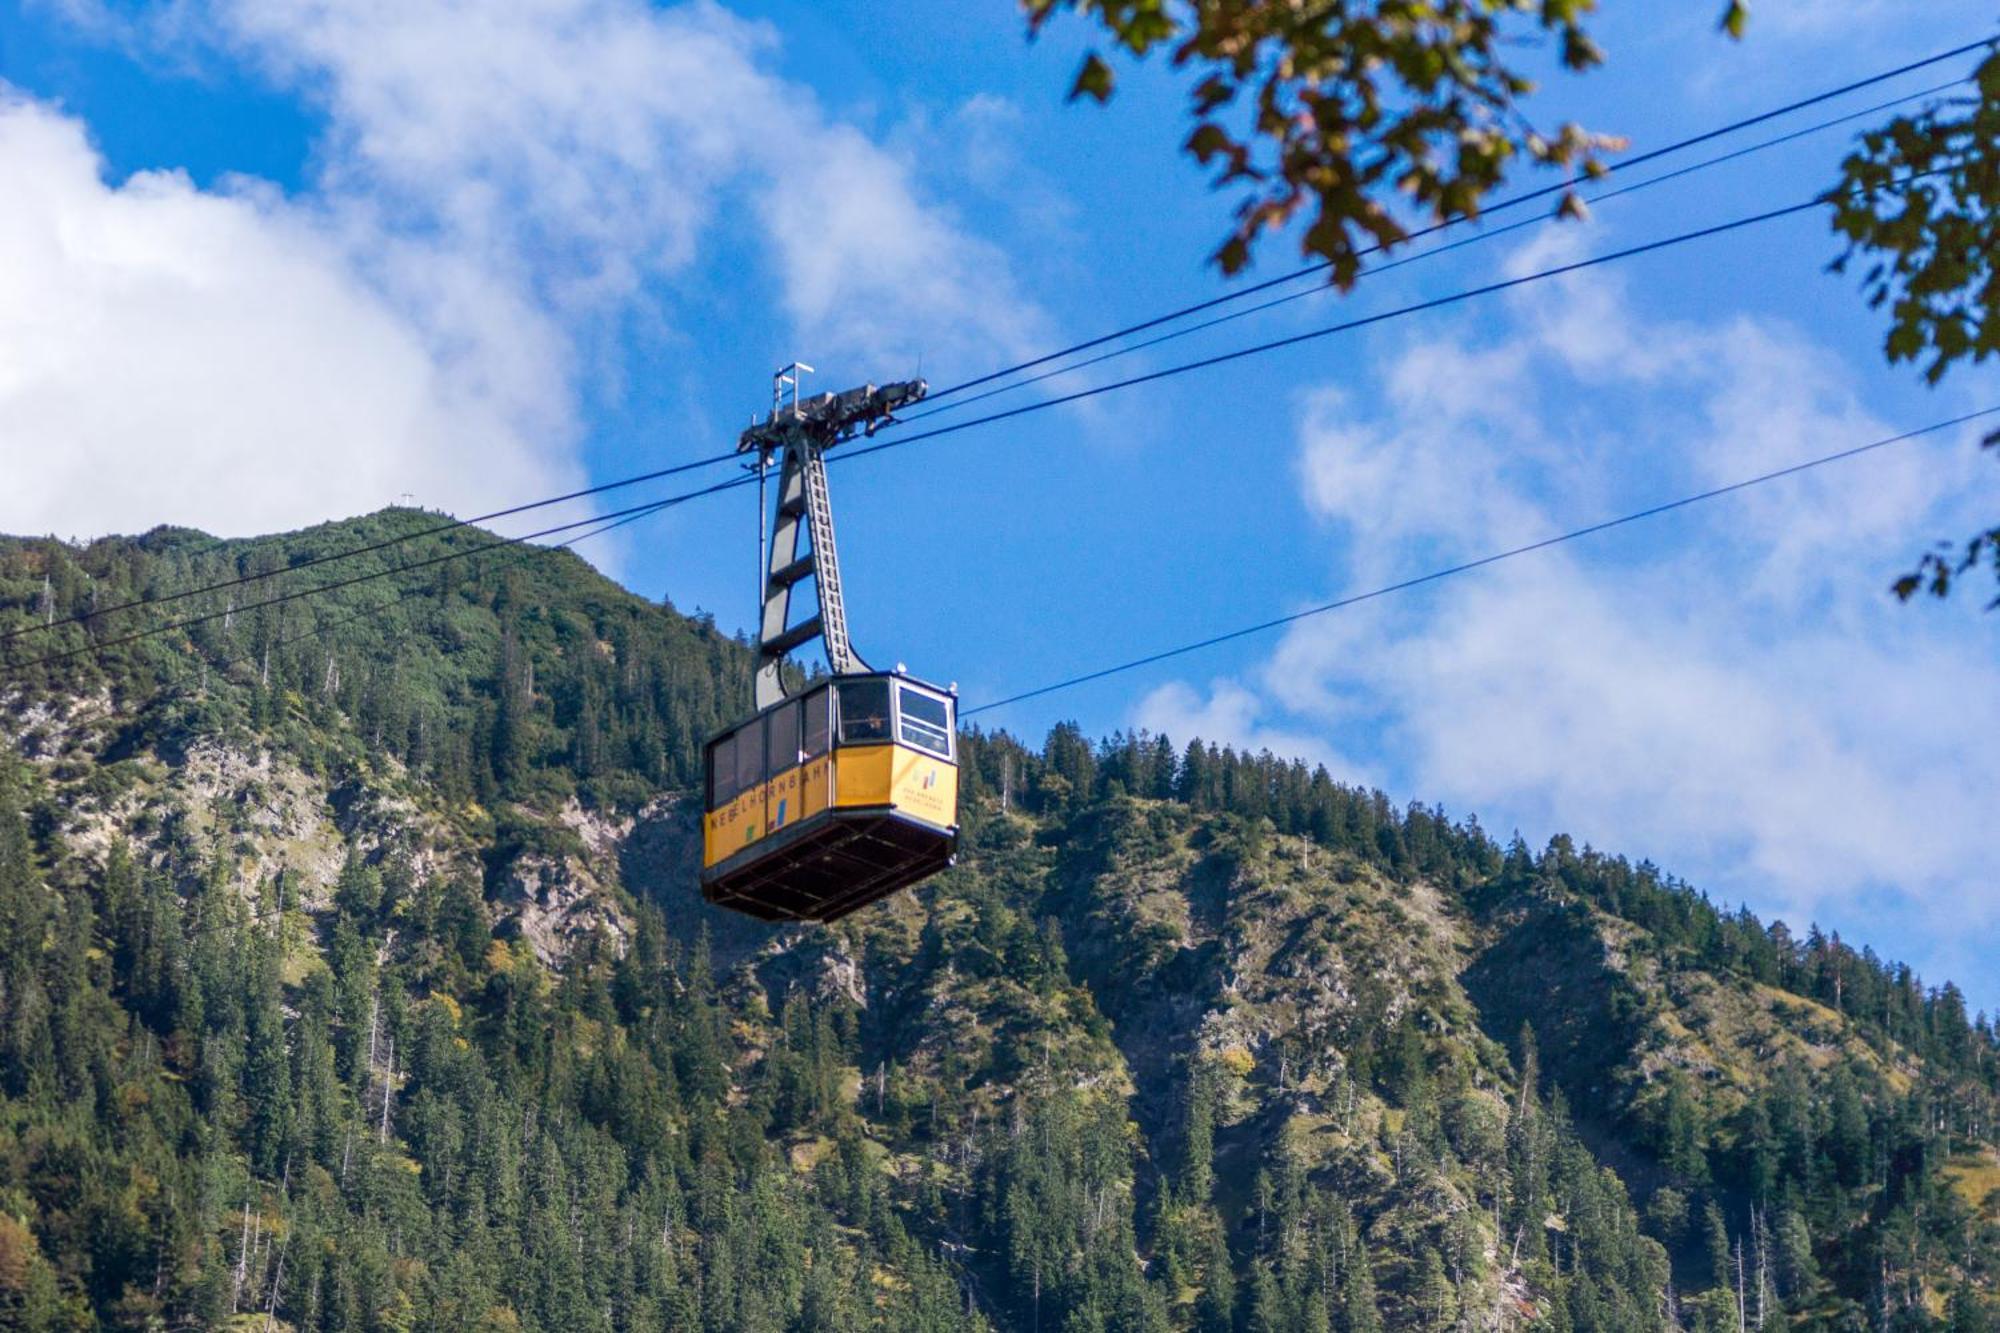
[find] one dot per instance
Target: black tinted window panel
(722, 772)
(750, 756)
(784, 738)
(864, 712)
(818, 721)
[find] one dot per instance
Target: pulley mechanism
(798, 432)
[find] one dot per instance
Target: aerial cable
(1222, 358)
(1226, 298)
(1513, 201)
(1348, 326)
(383, 545)
(1365, 321)
(188, 622)
(1321, 290)
(1434, 576)
(520, 555)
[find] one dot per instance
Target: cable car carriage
(833, 800)
(840, 791)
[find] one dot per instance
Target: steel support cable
(188, 622)
(1514, 201)
(1496, 557)
(1448, 247)
(1348, 326)
(371, 548)
(1434, 303)
(1365, 321)
(1227, 298)
(520, 554)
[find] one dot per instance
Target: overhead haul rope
(520, 553)
(1447, 248)
(632, 514)
(383, 545)
(898, 442)
(1449, 571)
(1515, 201)
(1227, 298)
(1365, 321)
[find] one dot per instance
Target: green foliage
(1360, 1308)
(518, 674)
(1339, 110)
(1919, 201)
(1190, 1039)
(515, 1157)
(1919, 207)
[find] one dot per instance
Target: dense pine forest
(353, 976)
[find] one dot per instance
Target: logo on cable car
(780, 820)
(930, 778)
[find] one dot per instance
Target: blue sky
(292, 260)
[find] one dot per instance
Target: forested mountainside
(353, 975)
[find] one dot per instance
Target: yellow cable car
(832, 797)
(830, 801)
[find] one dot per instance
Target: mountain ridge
(1189, 1039)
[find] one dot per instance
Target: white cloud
(500, 195)
(1231, 715)
(1842, 38)
(596, 141)
(867, 265)
(1630, 712)
(1824, 18)
(174, 355)
(1727, 690)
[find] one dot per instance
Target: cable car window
(819, 713)
(750, 755)
(864, 712)
(785, 738)
(722, 786)
(924, 722)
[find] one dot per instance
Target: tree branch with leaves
(1359, 114)
(1362, 116)
(1917, 206)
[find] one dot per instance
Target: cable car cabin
(830, 800)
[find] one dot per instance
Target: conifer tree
(1215, 1307)
(1359, 1309)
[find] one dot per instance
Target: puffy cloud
(1728, 691)
(1231, 715)
(216, 359)
(498, 191)
(598, 139)
(1628, 710)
